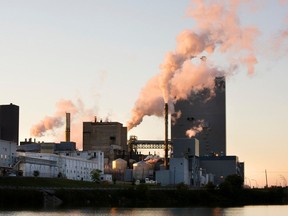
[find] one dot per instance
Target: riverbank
(33, 193)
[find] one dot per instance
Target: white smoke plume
(50, 123)
(280, 41)
(217, 31)
(196, 129)
(55, 121)
(145, 105)
(283, 2)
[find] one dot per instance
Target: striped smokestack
(67, 127)
(166, 135)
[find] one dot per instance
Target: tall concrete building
(108, 137)
(9, 123)
(207, 111)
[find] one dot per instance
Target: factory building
(207, 111)
(221, 167)
(9, 123)
(54, 160)
(76, 166)
(108, 137)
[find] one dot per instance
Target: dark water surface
(275, 210)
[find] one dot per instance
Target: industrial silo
(119, 165)
(141, 170)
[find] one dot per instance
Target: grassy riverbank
(41, 192)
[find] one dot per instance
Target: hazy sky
(97, 55)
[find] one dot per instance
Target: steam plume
(55, 121)
(193, 131)
(217, 31)
(50, 123)
(196, 129)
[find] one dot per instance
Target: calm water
(239, 211)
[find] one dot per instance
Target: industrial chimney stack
(166, 136)
(67, 127)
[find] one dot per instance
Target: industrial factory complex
(193, 160)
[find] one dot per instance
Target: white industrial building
(75, 166)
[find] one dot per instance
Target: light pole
(284, 180)
(256, 184)
(249, 181)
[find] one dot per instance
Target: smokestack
(67, 127)
(166, 136)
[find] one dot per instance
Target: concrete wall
(183, 147)
(7, 153)
(163, 177)
(179, 172)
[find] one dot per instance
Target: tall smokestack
(67, 127)
(166, 135)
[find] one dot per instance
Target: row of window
(4, 156)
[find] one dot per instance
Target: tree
(210, 186)
(182, 187)
(36, 173)
(232, 184)
(235, 181)
(95, 175)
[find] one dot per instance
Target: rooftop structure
(45, 147)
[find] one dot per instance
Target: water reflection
(240, 211)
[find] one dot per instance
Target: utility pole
(266, 179)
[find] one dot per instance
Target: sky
(105, 58)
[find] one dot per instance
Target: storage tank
(119, 164)
(141, 170)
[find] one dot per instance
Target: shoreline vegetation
(26, 192)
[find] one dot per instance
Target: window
(112, 140)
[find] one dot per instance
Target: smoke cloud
(280, 41)
(193, 131)
(217, 31)
(55, 121)
(50, 123)
(196, 129)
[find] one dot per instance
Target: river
(273, 210)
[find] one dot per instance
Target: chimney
(166, 136)
(67, 127)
